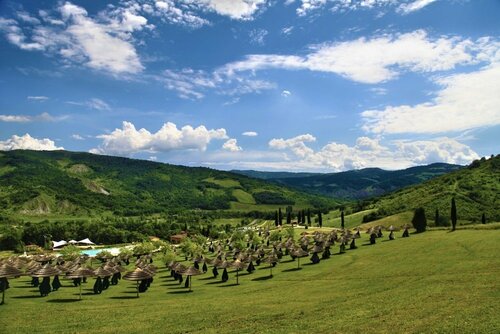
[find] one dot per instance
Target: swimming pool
(94, 252)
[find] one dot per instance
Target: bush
(419, 220)
(271, 197)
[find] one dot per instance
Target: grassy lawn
(435, 282)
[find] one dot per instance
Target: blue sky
(304, 85)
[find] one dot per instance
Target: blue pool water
(93, 252)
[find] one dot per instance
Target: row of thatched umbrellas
(40, 267)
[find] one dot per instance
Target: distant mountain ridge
(355, 184)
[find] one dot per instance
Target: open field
(435, 282)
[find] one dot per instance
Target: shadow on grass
(24, 287)
(171, 284)
(207, 278)
(291, 269)
(309, 264)
(27, 297)
(263, 278)
(178, 292)
(287, 261)
(123, 297)
(177, 288)
(68, 300)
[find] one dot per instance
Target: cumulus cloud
(250, 134)
(374, 60)
(77, 137)
(43, 117)
(27, 142)
(231, 145)
(129, 140)
(308, 6)
(286, 93)
(235, 9)
(465, 101)
(369, 152)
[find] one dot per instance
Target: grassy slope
(476, 190)
(435, 282)
(63, 184)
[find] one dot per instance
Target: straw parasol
(7, 271)
(137, 275)
(272, 260)
(45, 272)
(238, 265)
(298, 253)
(81, 272)
(191, 271)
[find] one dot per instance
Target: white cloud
(43, 117)
(102, 43)
(287, 30)
(407, 8)
(374, 60)
(250, 134)
(296, 144)
(38, 98)
(257, 36)
(369, 152)
(286, 93)
(27, 142)
(235, 9)
(231, 145)
(465, 101)
(191, 84)
(93, 103)
(172, 12)
(77, 137)
(128, 140)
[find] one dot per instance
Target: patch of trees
(271, 197)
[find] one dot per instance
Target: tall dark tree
(453, 214)
(436, 218)
(280, 217)
(342, 222)
(483, 218)
(276, 219)
(320, 219)
(288, 217)
(309, 217)
(419, 220)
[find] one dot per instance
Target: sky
(291, 85)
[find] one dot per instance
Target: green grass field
(435, 282)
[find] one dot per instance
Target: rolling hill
(38, 183)
(476, 189)
(355, 184)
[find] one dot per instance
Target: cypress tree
(320, 219)
(483, 218)
(419, 220)
(280, 217)
(288, 217)
(453, 214)
(342, 223)
(436, 218)
(276, 219)
(309, 217)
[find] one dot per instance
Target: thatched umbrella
(224, 265)
(298, 253)
(272, 260)
(137, 275)
(99, 285)
(46, 272)
(7, 271)
(81, 272)
(315, 250)
(238, 265)
(191, 271)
